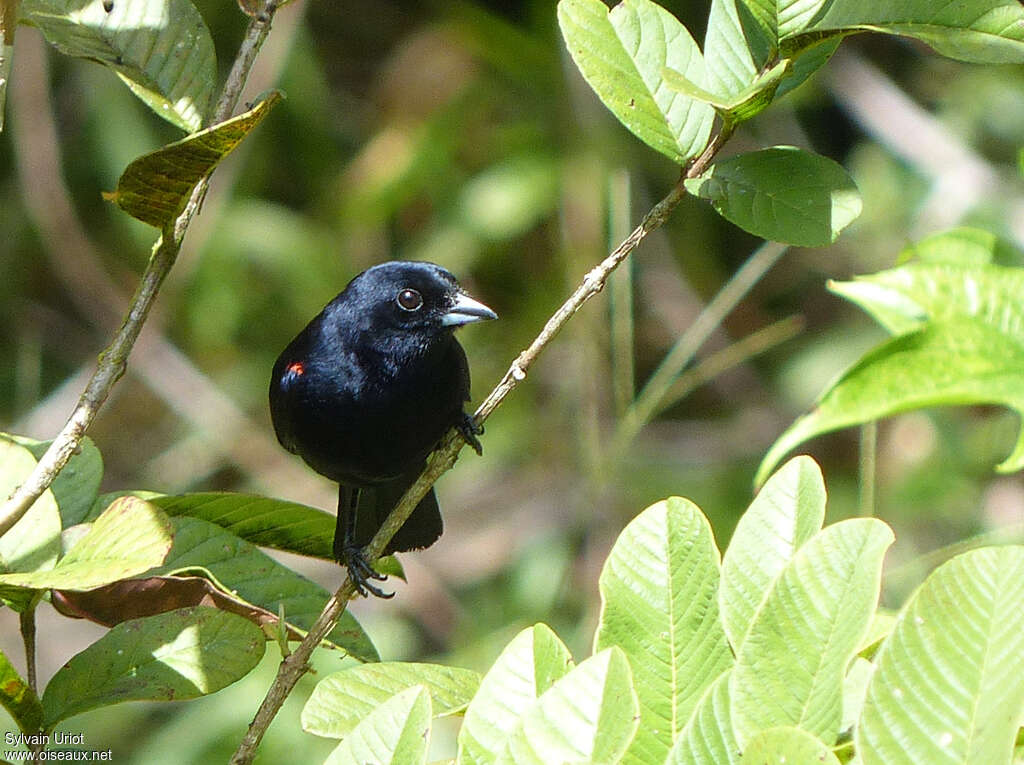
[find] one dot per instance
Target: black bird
(366, 391)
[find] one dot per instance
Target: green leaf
(588, 716)
(708, 738)
(76, 486)
(979, 31)
(156, 187)
(260, 520)
(949, 686)
(783, 745)
(787, 512)
(395, 733)
(257, 578)
(528, 667)
(343, 698)
(274, 523)
(790, 669)
(621, 55)
(747, 103)
(171, 657)
(33, 543)
(944, 363)
(19, 699)
(952, 279)
(161, 49)
(962, 340)
(131, 536)
(781, 193)
(659, 604)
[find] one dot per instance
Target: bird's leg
(347, 551)
(469, 429)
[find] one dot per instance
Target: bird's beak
(466, 310)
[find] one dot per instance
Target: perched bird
(366, 391)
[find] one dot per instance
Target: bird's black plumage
(368, 388)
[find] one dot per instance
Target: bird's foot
(469, 429)
(361, 572)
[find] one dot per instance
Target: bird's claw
(360, 572)
(469, 429)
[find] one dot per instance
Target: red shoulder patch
(296, 368)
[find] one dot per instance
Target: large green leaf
(131, 536)
(243, 569)
(261, 520)
(395, 733)
(160, 48)
(622, 53)
(790, 669)
(275, 523)
(787, 512)
(19, 699)
(708, 738)
(588, 716)
(781, 193)
(528, 666)
(962, 340)
(76, 486)
(156, 187)
(950, 362)
(33, 543)
(170, 657)
(949, 686)
(343, 698)
(951, 278)
(659, 604)
(980, 31)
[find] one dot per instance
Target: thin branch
(114, 359)
(442, 459)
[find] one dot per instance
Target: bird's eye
(409, 300)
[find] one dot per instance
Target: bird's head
(410, 297)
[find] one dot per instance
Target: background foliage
(462, 133)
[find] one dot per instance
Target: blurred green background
(459, 132)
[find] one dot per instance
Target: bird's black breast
(363, 417)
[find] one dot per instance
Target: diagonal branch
(114, 359)
(296, 664)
